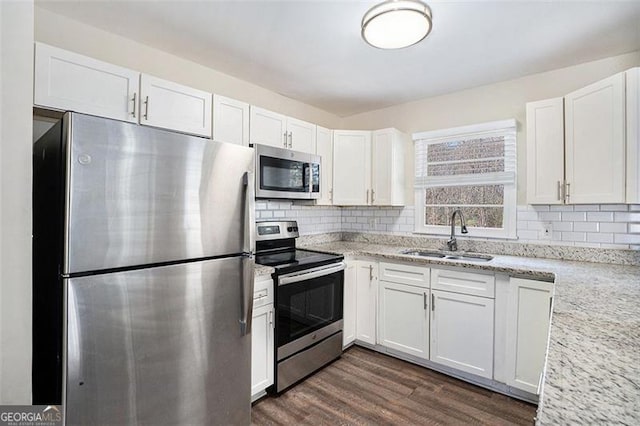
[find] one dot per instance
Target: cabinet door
(324, 148)
(351, 168)
(71, 82)
(367, 301)
(595, 142)
(302, 135)
(633, 135)
(261, 349)
(528, 318)
(230, 120)
(172, 106)
(462, 332)
(545, 151)
(349, 304)
(268, 128)
(404, 318)
(387, 171)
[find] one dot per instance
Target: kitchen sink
(449, 256)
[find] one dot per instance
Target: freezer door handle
(249, 213)
(247, 295)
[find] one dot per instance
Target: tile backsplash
(607, 226)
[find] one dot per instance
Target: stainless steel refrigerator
(142, 275)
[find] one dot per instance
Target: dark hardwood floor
(366, 388)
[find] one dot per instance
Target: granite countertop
(261, 270)
(592, 373)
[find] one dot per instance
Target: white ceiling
(312, 51)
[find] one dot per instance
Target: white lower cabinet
(527, 331)
(349, 305)
(366, 301)
(262, 338)
(404, 318)
(462, 332)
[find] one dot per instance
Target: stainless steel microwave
(282, 173)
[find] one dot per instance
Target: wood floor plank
(365, 387)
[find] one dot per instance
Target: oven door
(309, 307)
(282, 173)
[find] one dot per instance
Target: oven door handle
(314, 273)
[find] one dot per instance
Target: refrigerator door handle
(248, 265)
(249, 213)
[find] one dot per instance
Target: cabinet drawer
(262, 292)
(405, 274)
(471, 283)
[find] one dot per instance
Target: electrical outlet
(547, 231)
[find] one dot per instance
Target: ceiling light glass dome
(395, 24)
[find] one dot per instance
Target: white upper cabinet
(172, 106)
(595, 142)
(71, 82)
(633, 135)
(301, 135)
(545, 151)
(351, 168)
(268, 128)
(230, 120)
(271, 128)
(387, 178)
(324, 148)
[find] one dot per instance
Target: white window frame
(506, 128)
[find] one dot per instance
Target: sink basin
(448, 256)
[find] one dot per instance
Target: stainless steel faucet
(453, 243)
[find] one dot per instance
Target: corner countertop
(592, 373)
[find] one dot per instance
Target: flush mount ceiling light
(395, 24)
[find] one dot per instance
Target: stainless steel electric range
(308, 293)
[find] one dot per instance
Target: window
(471, 168)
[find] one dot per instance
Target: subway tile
(561, 226)
(527, 234)
(585, 226)
(266, 214)
(634, 228)
(539, 208)
(379, 213)
(635, 247)
(350, 219)
(626, 238)
(615, 246)
(600, 216)
(613, 227)
(278, 213)
(634, 207)
(528, 216)
(586, 208)
(574, 216)
(574, 236)
(599, 237)
(550, 216)
(386, 220)
(406, 228)
(261, 205)
(561, 208)
(614, 208)
(363, 220)
(627, 217)
(522, 224)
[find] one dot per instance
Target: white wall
(16, 41)
(492, 102)
(78, 37)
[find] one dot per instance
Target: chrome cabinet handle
(331, 195)
(146, 108)
(372, 196)
(367, 196)
(370, 272)
(568, 192)
(271, 318)
(290, 139)
(134, 104)
(433, 303)
(425, 301)
(284, 135)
